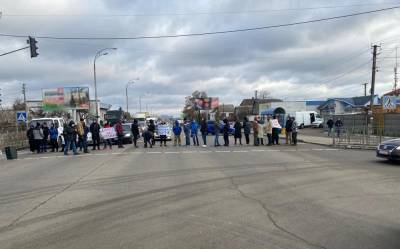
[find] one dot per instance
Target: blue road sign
(21, 117)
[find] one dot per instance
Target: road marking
(289, 150)
(318, 149)
(188, 152)
(205, 152)
(240, 151)
(222, 151)
(153, 152)
(171, 152)
(258, 150)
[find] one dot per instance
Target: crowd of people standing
(75, 136)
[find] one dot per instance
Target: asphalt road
(238, 197)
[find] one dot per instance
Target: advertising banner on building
(53, 99)
(206, 103)
(66, 98)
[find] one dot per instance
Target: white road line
(205, 152)
(332, 149)
(272, 150)
(318, 149)
(153, 152)
(171, 152)
(258, 150)
(188, 152)
(289, 150)
(240, 151)
(222, 151)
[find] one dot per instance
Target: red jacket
(119, 129)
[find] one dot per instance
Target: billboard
(66, 98)
(205, 103)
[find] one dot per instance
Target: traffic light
(32, 44)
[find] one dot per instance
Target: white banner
(275, 124)
(108, 133)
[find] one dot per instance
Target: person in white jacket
(162, 130)
(260, 134)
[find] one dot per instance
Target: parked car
(389, 149)
(128, 136)
(56, 121)
(211, 127)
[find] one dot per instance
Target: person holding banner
(107, 135)
(276, 128)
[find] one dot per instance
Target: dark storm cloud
(299, 62)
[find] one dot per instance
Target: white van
(56, 121)
(308, 118)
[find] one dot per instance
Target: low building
(251, 107)
(346, 105)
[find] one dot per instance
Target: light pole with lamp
(140, 101)
(98, 54)
(126, 92)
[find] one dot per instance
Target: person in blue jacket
(53, 131)
(194, 127)
(177, 129)
(186, 130)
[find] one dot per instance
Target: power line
(227, 12)
(207, 33)
(348, 72)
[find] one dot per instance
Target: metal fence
(359, 129)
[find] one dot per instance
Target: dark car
(128, 136)
(211, 128)
(389, 149)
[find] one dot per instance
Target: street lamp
(131, 82)
(140, 101)
(98, 54)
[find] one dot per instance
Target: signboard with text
(66, 98)
(108, 133)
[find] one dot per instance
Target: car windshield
(41, 122)
(126, 127)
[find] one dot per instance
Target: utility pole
(374, 53)
(365, 88)
(24, 93)
(395, 75)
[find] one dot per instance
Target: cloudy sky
(311, 61)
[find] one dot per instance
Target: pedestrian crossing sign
(389, 102)
(21, 117)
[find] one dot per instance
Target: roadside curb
(342, 146)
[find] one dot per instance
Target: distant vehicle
(389, 150)
(308, 119)
(169, 134)
(211, 127)
(114, 116)
(56, 121)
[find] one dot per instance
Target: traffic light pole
(15, 51)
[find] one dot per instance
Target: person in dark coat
(338, 126)
(238, 132)
(226, 132)
(135, 132)
(330, 124)
(288, 128)
(246, 129)
(46, 133)
(95, 130)
(203, 130)
(70, 138)
(38, 137)
(152, 129)
(31, 139)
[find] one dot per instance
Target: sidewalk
(328, 141)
